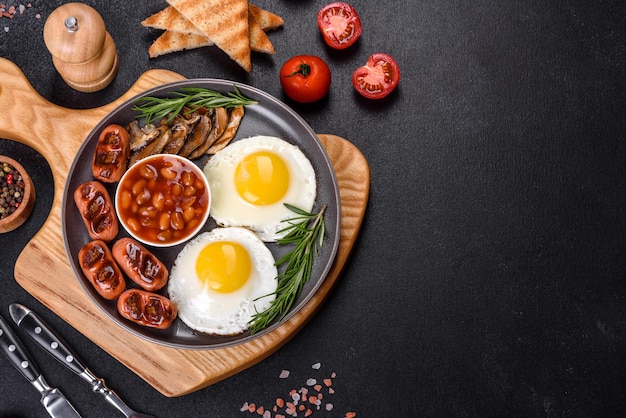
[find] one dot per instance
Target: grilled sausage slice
(147, 308)
(111, 154)
(100, 269)
(143, 267)
(96, 209)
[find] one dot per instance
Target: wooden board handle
(56, 132)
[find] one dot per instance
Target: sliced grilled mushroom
(180, 128)
(192, 117)
(141, 137)
(198, 136)
(234, 120)
(154, 147)
(220, 122)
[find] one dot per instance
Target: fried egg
(220, 279)
(251, 179)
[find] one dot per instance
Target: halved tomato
(378, 77)
(339, 24)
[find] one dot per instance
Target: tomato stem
(303, 69)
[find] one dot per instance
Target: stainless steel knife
(53, 343)
(51, 398)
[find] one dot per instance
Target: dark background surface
(489, 275)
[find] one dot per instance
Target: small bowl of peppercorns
(17, 194)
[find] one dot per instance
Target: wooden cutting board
(43, 269)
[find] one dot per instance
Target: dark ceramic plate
(269, 117)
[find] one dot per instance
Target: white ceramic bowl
(163, 200)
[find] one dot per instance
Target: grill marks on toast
(189, 24)
(225, 22)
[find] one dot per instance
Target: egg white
(202, 308)
(228, 208)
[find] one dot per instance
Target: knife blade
(51, 398)
(43, 334)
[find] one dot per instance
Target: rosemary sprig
(155, 108)
(308, 241)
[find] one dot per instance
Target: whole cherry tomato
(305, 78)
(378, 77)
(339, 24)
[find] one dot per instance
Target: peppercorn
(11, 190)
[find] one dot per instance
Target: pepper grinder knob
(82, 50)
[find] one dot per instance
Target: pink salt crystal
(244, 407)
(329, 406)
(316, 366)
(284, 374)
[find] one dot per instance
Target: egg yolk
(262, 178)
(224, 266)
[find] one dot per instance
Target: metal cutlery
(53, 343)
(51, 398)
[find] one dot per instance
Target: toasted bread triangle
(172, 20)
(265, 18)
(259, 42)
(176, 41)
(224, 22)
(172, 41)
(181, 34)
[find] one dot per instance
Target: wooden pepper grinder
(83, 52)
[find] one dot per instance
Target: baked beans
(163, 199)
